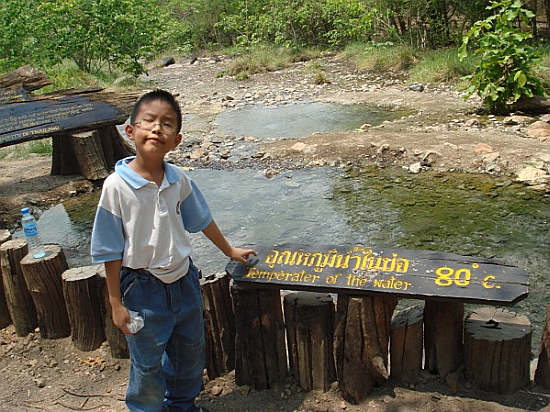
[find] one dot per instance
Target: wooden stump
(114, 146)
(219, 324)
(43, 277)
(542, 374)
(497, 346)
(406, 344)
(83, 292)
(309, 319)
(260, 352)
(91, 154)
(443, 329)
(361, 343)
(5, 319)
(64, 160)
(20, 305)
(117, 342)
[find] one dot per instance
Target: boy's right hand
(121, 317)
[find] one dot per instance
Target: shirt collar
(135, 180)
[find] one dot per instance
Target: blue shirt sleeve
(194, 211)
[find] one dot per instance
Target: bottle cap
(25, 210)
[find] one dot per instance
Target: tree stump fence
(309, 319)
(361, 343)
(406, 344)
(83, 293)
(115, 338)
(497, 345)
(443, 330)
(18, 299)
(219, 324)
(5, 318)
(542, 373)
(43, 278)
(260, 350)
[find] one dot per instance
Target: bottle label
(30, 230)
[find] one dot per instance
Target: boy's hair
(161, 95)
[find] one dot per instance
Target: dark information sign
(361, 269)
(24, 120)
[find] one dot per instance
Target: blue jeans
(167, 354)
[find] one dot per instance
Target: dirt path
(443, 133)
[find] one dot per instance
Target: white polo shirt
(145, 225)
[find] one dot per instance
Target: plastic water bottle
(36, 247)
(136, 322)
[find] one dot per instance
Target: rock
(216, 390)
(343, 405)
(483, 148)
(539, 129)
(192, 58)
(269, 173)
(196, 154)
(365, 127)
(416, 87)
(167, 61)
(472, 123)
(415, 167)
(490, 157)
(228, 98)
(517, 119)
(532, 175)
(40, 382)
(545, 118)
(383, 148)
(430, 158)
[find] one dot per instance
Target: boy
(139, 234)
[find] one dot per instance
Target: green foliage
(505, 71)
(94, 33)
(265, 59)
(437, 66)
(381, 57)
(297, 23)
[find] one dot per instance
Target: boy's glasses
(165, 127)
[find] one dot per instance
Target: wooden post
(64, 161)
(20, 306)
(89, 154)
(497, 346)
(443, 328)
(260, 352)
(83, 292)
(43, 277)
(406, 344)
(5, 319)
(219, 324)
(309, 319)
(117, 342)
(542, 374)
(361, 343)
(114, 146)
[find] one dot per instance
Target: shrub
(505, 71)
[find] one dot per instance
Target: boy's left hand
(241, 255)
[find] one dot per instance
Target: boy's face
(154, 131)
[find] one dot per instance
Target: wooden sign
(361, 269)
(24, 120)
(24, 116)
